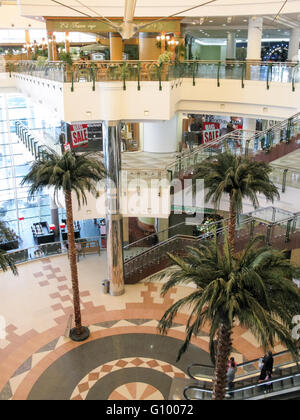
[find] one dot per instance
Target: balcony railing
(140, 71)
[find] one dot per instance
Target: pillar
(112, 161)
(249, 124)
(27, 41)
(294, 45)
(148, 49)
(161, 136)
(255, 28)
(54, 214)
(67, 42)
(50, 49)
(54, 48)
(116, 46)
(231, 46)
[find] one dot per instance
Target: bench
(88, 247)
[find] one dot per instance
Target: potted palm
(253, 289)
(68, 173)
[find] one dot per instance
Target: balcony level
(143, 91)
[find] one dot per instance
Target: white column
(231, 46)
(294, 45)
(254, 38)
(161, 136)
(250, 125)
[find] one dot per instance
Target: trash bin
(105, 286)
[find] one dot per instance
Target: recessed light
(245, 20)
(211, 21)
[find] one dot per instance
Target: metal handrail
(269, 382)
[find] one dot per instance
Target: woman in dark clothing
(267, 368)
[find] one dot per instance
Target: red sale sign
(79, 135)
(211, 131)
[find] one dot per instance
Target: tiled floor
(125, 355)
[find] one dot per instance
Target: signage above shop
(90, 25)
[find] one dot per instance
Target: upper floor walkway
(144, 90)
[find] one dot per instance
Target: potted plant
(67, 59)
(163, 61)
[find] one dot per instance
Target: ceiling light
(211, 21)
(194, 23)
(245, 20)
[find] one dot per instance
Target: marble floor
(125, 356)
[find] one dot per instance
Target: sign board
(211, 131)
(79, 135)
(83, 136)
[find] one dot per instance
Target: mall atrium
(179, 123)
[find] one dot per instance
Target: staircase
(267, 146)
(281, 230)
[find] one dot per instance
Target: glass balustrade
(133, 70)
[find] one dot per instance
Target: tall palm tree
(69, 173)
(239, 177)
(6, 261)
(254, 288)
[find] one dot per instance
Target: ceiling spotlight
(211, 21)
(245, 20)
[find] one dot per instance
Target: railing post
(252, 225)
(124, 75)
(247, 147)
(194, 73)
(270, 67)
(219, 69)
(269, 231)
(139, 75)
(159, 75)
(72, 80)
(288, 230)
(243, 74)
(284, 180)
(289, 130)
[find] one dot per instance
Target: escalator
(284, 385)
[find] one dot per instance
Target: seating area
(43, 233)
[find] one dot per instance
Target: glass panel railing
(84, 246)
(283, 363)
(267, 389)
(133, 70)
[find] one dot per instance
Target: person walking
(231, 371)
(267, 370)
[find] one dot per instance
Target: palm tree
(69, 173)
(6, 262)
(239, 177)
(254, 288)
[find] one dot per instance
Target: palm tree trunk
(73, 262)
(223, 352)
(232, 224)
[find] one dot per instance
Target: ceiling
(218, 27)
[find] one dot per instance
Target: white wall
(110, 102)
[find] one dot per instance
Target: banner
(79, 135)
(211, 131)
